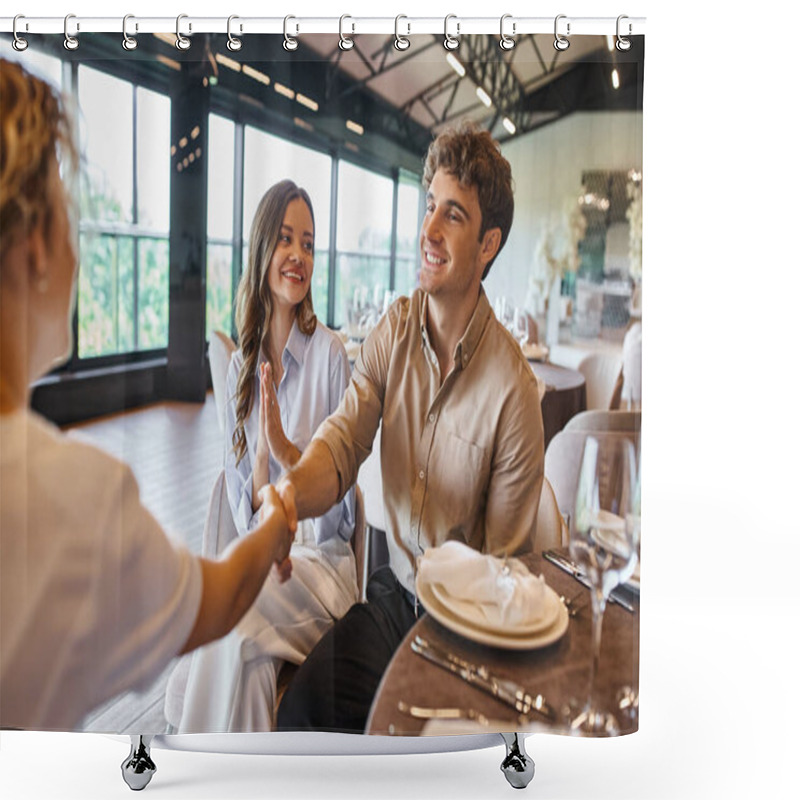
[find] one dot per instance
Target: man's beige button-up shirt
(462, 458)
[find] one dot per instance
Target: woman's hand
(261, 467)
(271, 437)
(286, 454)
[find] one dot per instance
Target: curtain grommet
(507, 42)
(289, 42)
(70, 42)
(451, 42)
(623, 43)
(561, 43)
(19, 44)
(401, 42)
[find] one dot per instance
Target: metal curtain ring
(128, 42)
(181, 42)
(288, 42)
(623, 43)
(19, 44)
(400, 42)
(345, 42)
(507, 42)
(233, 44)
(560, 42)
(451, 42)
(70, 42)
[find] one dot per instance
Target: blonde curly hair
(35, 133)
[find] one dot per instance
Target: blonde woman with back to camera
(94, 598)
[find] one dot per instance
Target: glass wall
(409, 204)
(364, 211)
(123, 286)
(219, 226)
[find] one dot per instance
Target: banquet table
(565, 396)
(560, 671)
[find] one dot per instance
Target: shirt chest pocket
(458, 477)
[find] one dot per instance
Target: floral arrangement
(634, 216)
(558, 247)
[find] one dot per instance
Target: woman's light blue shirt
(315, 374)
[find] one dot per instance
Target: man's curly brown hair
(473, 157)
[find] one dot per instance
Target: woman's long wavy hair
(254, 299)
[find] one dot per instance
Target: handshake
(278, 513)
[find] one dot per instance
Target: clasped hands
(280, 501)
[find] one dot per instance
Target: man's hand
(285, 491)
(271, 504)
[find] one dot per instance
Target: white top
(315, 374)
(94, 598)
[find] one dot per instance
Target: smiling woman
(288, 375)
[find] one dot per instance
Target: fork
(420, 712)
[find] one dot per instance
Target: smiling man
(462, 447)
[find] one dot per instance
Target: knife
(507, 691)
(571, 569)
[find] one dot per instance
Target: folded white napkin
(497, 595)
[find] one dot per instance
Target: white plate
(471, 616)
(526, 642)
(535, 352)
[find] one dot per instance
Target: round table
(559, 672)
(565, 396)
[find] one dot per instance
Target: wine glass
(389, 296)
(605, 546)
(503, 312)
(520, 326)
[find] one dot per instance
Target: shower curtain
(180, 136)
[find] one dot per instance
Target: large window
(124, 229)
(41, 65)
(363, 237)
(219, 226)
(267, 160)
(406, 276)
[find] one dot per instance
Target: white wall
(547, 165)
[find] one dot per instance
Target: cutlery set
(507, 691)
(570, 568)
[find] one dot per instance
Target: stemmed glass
(520, 326)
(605, 546)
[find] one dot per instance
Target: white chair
(562, 464)
(599, 421)
(220, 350)
(219, 531)
(551, 530)
(632, 367)
(600, 370)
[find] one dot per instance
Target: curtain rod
(402, 25)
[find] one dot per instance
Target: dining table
(564, 397)
(559, 672)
